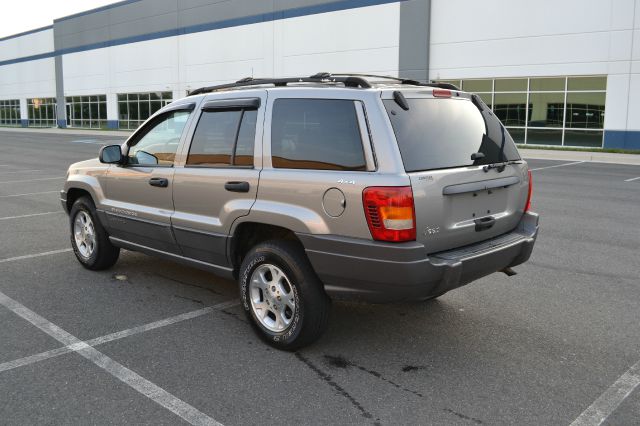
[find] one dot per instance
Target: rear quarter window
(318, 134)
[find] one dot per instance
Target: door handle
(484, 223)
(237, 186)
(159, 182)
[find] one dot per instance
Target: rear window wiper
(500, 166)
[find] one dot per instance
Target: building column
(415, 25)
(61, 105)
(112, 111)
(24, 113)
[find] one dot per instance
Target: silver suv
(311, 189)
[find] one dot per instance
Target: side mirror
(110, 154)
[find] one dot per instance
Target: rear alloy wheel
(89, 239)
(282, 297)
(273, 300)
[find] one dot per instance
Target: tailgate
(450, 145)
(457, 207)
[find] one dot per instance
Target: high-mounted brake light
(390, 213)
(441, 93)
(527, 206)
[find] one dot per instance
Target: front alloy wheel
(89, 239)
(85, 234)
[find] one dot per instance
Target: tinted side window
(246, 139)
(158, 145)
(215, 139)
(320, 134)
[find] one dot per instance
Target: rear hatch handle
(484, 223)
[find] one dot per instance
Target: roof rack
(349, 80)
(404, 80)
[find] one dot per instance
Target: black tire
(104, 254)
(311, 315)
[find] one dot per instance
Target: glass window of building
(547, 110)
(547, 84)
(10, 112)
(511, 108)
(88, 112)
(587, 83)
(135, 108)
(42, 112)
(511, 85)
(477, 86)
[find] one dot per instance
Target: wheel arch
(247, 234)
(80, 185)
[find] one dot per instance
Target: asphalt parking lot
(153, 342)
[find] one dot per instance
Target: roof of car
(352, 81)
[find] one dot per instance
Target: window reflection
(511, 108)
(547, 109)
(585, 110)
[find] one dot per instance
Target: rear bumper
(354, 269)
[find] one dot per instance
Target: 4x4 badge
(352, 182)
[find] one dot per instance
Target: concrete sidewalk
(79, 132)
(597, 157)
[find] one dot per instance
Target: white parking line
(19, 171)
(559, 165)
(28, 193)
(31, 180)
(32, 359)
(611, 399)
(119, 371)
(90, 141)
(632, 179)
(29, 215)
(31, 256)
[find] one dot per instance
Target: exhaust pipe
(509, 272)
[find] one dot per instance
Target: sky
(24, 15)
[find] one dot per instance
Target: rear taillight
(390, 213)
(527, 206)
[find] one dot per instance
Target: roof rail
(403, 80)
(327, 78)
(443, 85)
(349, 80)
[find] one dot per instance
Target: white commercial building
(555, 72)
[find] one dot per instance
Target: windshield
(443, 133)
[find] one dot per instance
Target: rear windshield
(443, 133)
